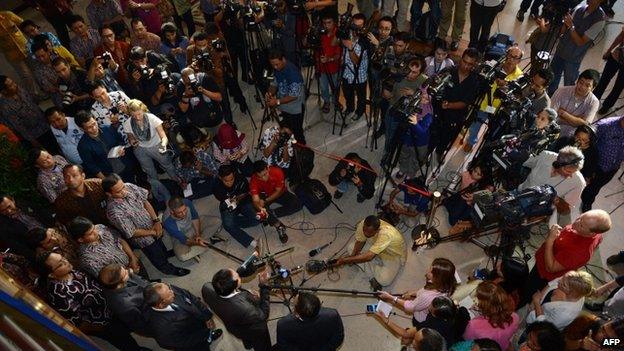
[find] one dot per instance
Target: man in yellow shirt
(384, 257)
(13, 47)
(490, 104)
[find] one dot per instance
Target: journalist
(287, 93)
(384, 258)
(72, 87)
(355, 69)
(576, 104)
(561, 171)
(200, 100)
(328, 63)
(537, 90)
(277, 144)
(379, 44)
(353, 170)
(454, 102)
(310, 327)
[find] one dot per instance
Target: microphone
(247, 268)
(318, 250)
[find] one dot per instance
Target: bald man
(566, 249)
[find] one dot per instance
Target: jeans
(611, 68)
(481, 20)
(157, 254)
(473, 131)
(350, 91)
(569, 70)
(296, 122)
(601, 178)
(147, 156)
(244, 216)
(325, 87)
(416, 11)
(290, 204)
(524, 6)
(392, 124)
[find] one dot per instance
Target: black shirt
(202, 112)
(240, 186)
(465, 91)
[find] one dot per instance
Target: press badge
(490, 110)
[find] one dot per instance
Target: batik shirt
(22, 114)
(79, 300)
(83, 47)
(96, 255)
(275, 159)
(349, 70)
(186, 174)
(98, 12)
(129, 214)
(103, 114)
(50, 182)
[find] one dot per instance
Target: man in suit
(124, 294)
(177, 319)
(244, 313)
(310, 326)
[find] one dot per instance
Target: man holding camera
(267, 185)
(490, 102)
(118, 50)
(353, 170)
(151, 79)
(287, 93)
(328, 62)
(384, 257)
(72, 87)
(455, 100)
(277, 145)
(562, 172)
(200, 99)
(355, 69)
(537, 90)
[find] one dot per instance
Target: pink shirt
(420, 305)
(479, 327)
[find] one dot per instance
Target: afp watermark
(612, 342)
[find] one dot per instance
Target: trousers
(448, 7)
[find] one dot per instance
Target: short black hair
(359, 16)
(151, 297)
(91, 86)
(285, 123)
(308, 305)
(431, 341)
(225, 170)
(35, 236)
(70, 166)
(40, 261)
(136, 20)
(75, 18)
(442, 45)
(168, 27)
(276, 54)
(51, 110)
(402, 36)
(187, 157)
(199, 36)
(82, 117)
(472, 53)
(136, 53)
(175, 202)
(106, 26)
(40, 42)
(547, 335)
(387, 19)
(57, 61)
(487, 344)
(109, 182)
(26, 23)
(211, 28)
(443, 308)
(223, 282)
(546, 74)
(259, 166)
(372, 221)
(591, 74)
(79, 226)
(34, 154)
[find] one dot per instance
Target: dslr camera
(143, 70)
(194, 82)
(218, 44)
(283, 139)
(67, 95)
(163, 77)
(106, 57)
(350, 171)
(204, 61)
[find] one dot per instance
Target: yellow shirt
(64, 53)
(12, 40)
(517, 73)
(388, 242)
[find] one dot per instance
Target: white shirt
(559, 313)
(153, 123)
(102, 114)
(569, 189)
(68, 141)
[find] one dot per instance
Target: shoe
(375, 285)
(615, 259)
(214, 335)
(338, 194)
(216, 239)
(360, 198)
(454, 45)
(467, 147)
(594, 306)
(603, 110)
(281, 232)
(170, 253)
(356, 117)
(378, 133)
(347, 113)
(181, 272)
(520, 16)
(325, 108)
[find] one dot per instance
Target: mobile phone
(372, 308)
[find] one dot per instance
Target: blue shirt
(170, 224)
(289, 82)
(349, 70)
(94, 152)
(418, 134)
(68, 140)
(610, 143)
(420, 202)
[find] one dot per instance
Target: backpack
(314, 195)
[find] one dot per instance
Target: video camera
(249, 16)
(438, 84)
(513, 89)
(554, 10)
(345, 24)
(296, 7)
(513, 207)
(408, 105)
(395, 70)
(491, 70)
(194, 83)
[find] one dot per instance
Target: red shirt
(571, 250)
(329, 50)
(258, 186)
(121, 55)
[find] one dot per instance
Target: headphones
(574, 161)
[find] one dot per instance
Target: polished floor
(308, 231)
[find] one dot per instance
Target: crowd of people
(143, 122)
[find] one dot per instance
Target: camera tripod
(269, 115)
(253, 41)
(235, 90)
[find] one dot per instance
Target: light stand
(426, 232)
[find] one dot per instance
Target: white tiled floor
(363, 332)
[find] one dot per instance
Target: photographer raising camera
(200, 99)
(353, 170)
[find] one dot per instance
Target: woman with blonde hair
(497, 319)
(561, 301)
(146, 134)
(440, 282)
